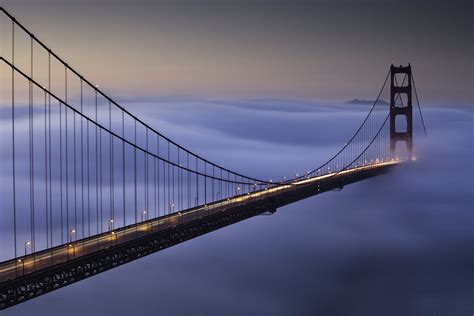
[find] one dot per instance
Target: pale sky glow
(237, 50)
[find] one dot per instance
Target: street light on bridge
(27, 243)
(71, 234)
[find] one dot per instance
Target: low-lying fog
(399, 244)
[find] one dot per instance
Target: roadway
(60, 254)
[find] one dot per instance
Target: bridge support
(401, 91)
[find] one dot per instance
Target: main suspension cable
(419, 107)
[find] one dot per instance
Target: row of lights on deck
(72, 232)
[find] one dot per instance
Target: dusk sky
(323, 50)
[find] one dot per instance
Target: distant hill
(370, 102)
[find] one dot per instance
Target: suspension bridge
(91, 186)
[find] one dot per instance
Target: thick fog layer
(398, 244)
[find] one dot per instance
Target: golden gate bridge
(101, 187)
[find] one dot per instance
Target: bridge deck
(44, 259)
(45, 271)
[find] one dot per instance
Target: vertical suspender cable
(61, 170)
(101, 197)
(50, 157)
(145, 174)
(188, 186)
(67, 168)
(88, 181)
(82, 163)
(197, 182)
(135, 171)
(205, 183)
(111, 158)
(46, 208)
(13, 145)
(173, 187)
(96, 166)
(182, 189)
(32, 170)
(179, 182)
(123, 169)
(168, 185)
(155, 175)
(164, 188)
(75, 172)
(158, 174)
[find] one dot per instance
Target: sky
(323, 50)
